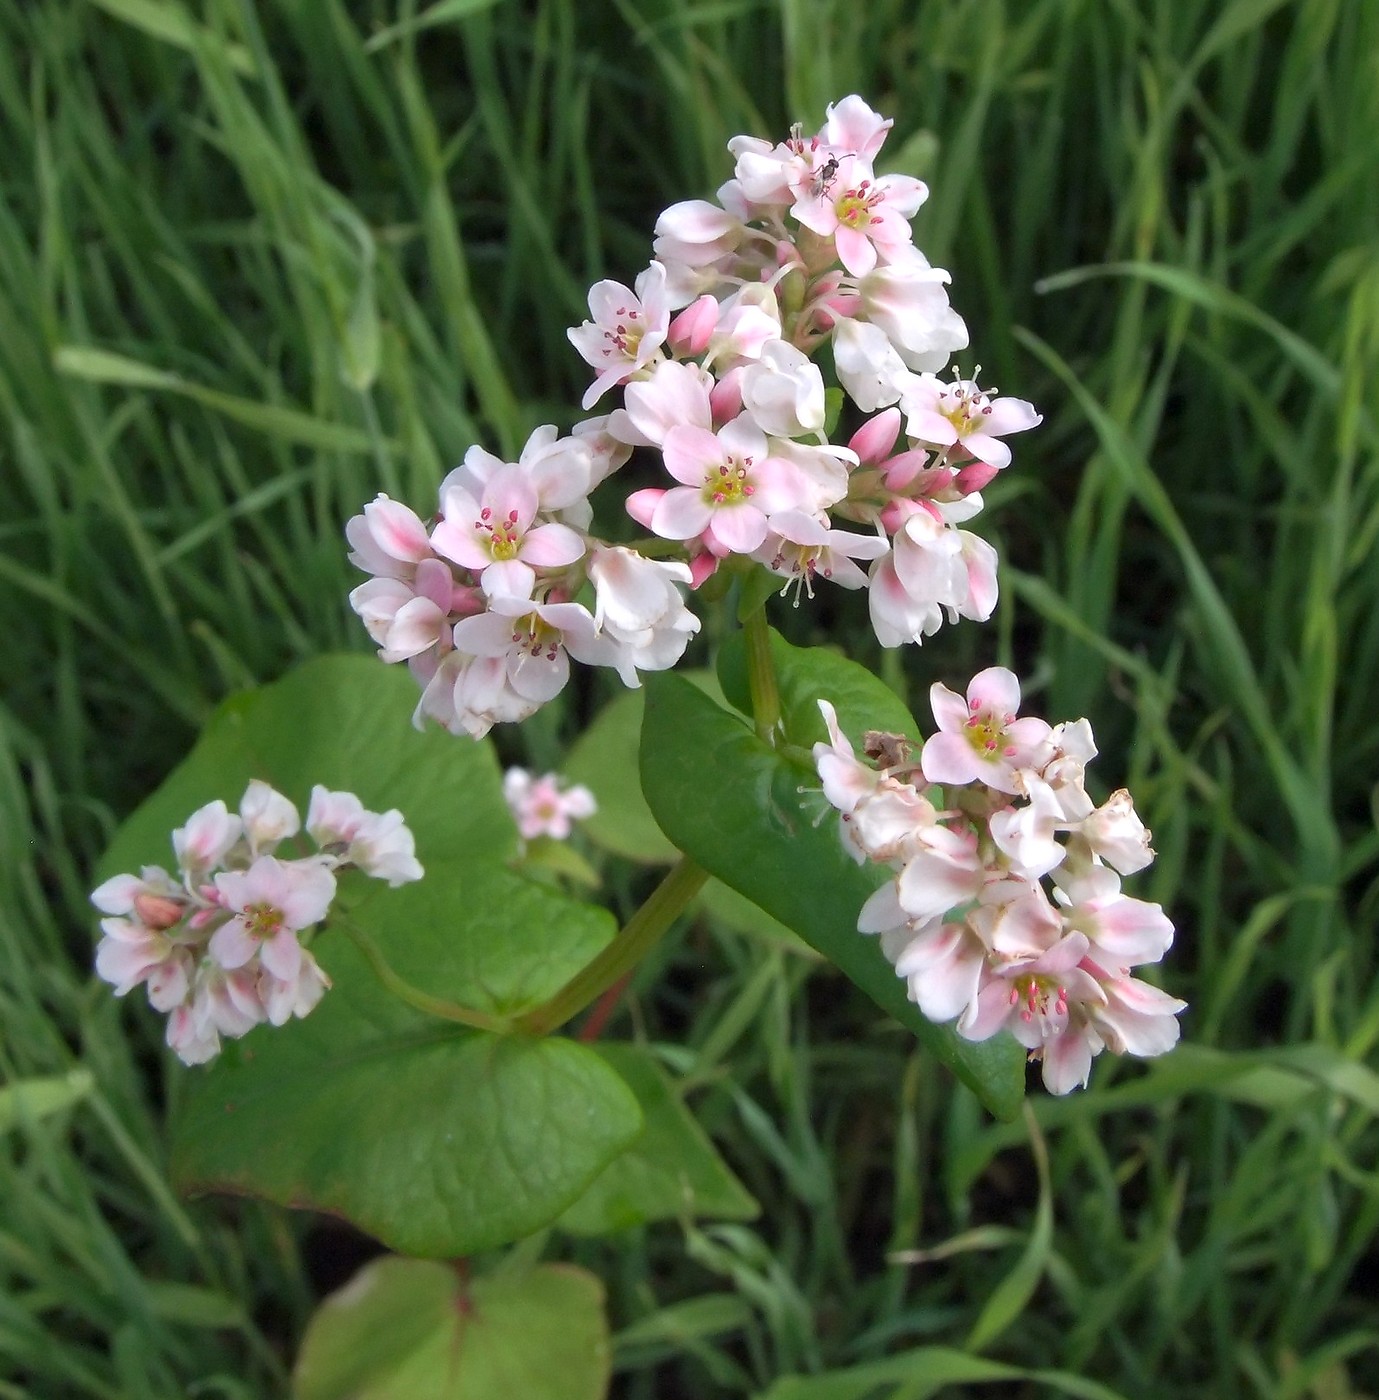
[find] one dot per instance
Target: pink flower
(846, 779)
(1122, 932)
(868, 364)
(220, 1003)
(923, 573)
(961, 414)
(268, 817)
(639, 610)
(1115, 832)
(532, 640)
(907, 301)
(130, 954)
(207, 838)
(1137, 1018)
(1026, 835)
(747, 321)
(283, 998)
(153, 897)
(980, 739)
(271, 901)
(496, 538)
(730, 487)
(1042, 1001)
(868, 217)
(674, 393)
(626, 332)
(696, 233)
(784, 391)
(801, 547)
(409, 618)
(543, 806)
(942, 965)
(560, 470)
(943, 873)
(388, 540)
(851, 125)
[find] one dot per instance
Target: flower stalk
(634, 941)
(761, 676)
(414, 996)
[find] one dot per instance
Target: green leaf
(193, 1306)
(407, 1328)
(276, 420)
(546, 856)
(749, 816)
(806, 675)
(342, 721)
(173, 25)
(439, 1141)
(672, 1172)
(1012, 1295)
(926, 1371)
(480, 936)
(604, 759)
(435, 1138)
(759, 585)
(444, 12)
(740, 914)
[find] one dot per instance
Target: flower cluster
(218, 945)
(544, 806)
(711, 350)
(995, 806)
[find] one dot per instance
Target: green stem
(635, 940)
(761, 676)
(414, 996)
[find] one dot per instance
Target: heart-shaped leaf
(406, 1329)
(342, 721)
(436, 1138)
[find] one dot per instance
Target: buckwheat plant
(712, 353)
(427, 1100)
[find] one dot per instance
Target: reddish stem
(603, 1010)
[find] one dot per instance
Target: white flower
(784, 391)
(268, 817)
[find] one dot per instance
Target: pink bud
(974, 476)
(690, 331)
(725, 398)
(156, 911)
(872, 442)
(702, 567)
(466, 601)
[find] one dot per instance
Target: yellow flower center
(262, 920)
(729, 484)
(533, 635)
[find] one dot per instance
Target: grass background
(261, 261)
